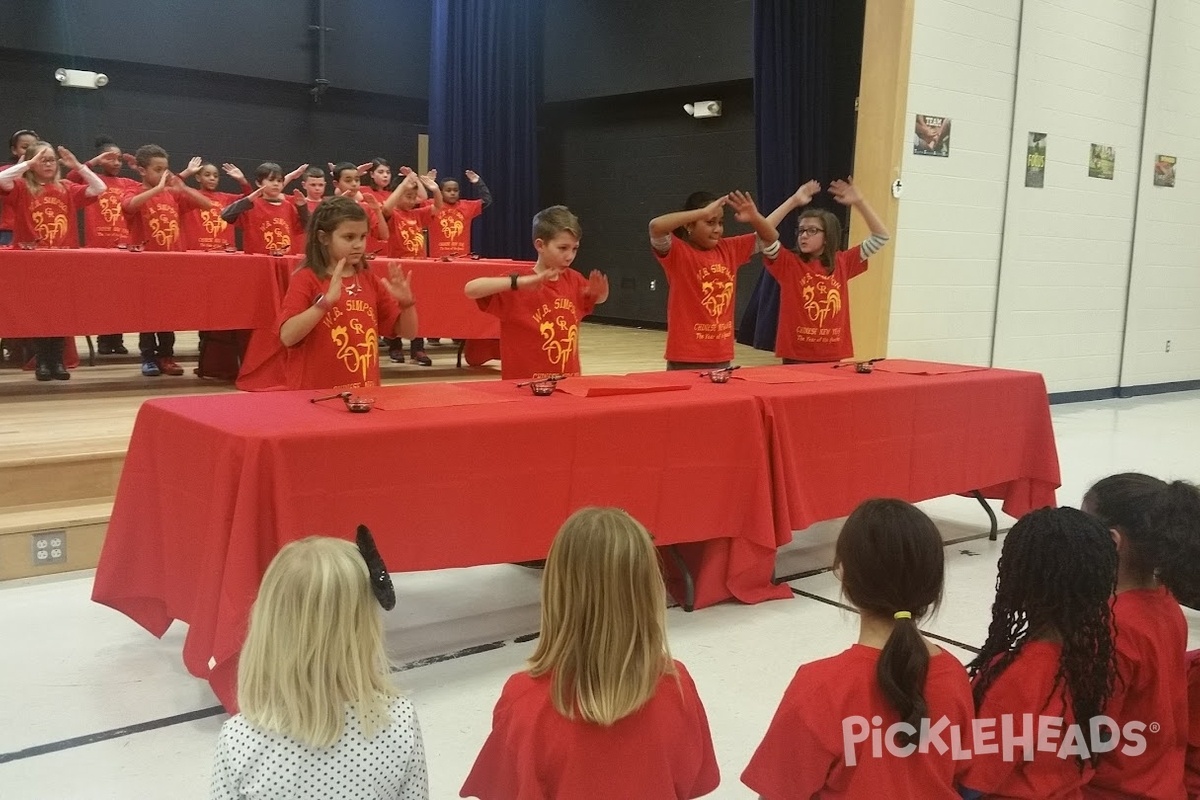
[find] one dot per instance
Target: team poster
(1102, 162)
(1035, 161)
(1164, 171)
(931, 136)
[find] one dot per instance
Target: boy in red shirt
(203, 228)
(409, 220)
(450, 236)
(814, 293)
(540, 309)
(347, 182)
(701, 269)
(152, 212)
(270, 224)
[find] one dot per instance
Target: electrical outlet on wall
(48, 548)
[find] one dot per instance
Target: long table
(214, 486)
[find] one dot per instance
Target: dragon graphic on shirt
(559, 348)
(822, 297)
(211, 222)
(110, 208)
(451, 225)
(357, 358)
(413, 238)
(276, 237)
(50, 223)
(164, 230)
(718, 294)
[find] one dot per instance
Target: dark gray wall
(597, 48)
(618, 162)
(379, 46)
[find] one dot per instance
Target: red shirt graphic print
(700, 302)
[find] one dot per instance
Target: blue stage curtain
(807, 55)
(485, 84)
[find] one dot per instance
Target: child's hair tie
(902, 615)
(381, 581)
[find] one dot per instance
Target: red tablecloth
(442, 310)
(90, 291)
(838, 437)
(213, 486)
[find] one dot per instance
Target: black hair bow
(381, 581)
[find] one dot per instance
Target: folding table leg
(991, 514)
(462, 345)
(689, 586)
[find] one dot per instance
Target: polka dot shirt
(250, 763)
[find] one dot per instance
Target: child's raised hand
(845, 192)
(31, 156)
(130, 159)
(298, 198)
(472, 176)
(363, 169)
(296, 173)
(192, 168)
(429, 183)
(597, 285)
(173, 180)
(371, 200)
(806, 193)
(233, 172)
(335, 282)
(68, 158)
(400, 286)
(332, 169)
(716, 205)
(743, 206)
(405, 171)
(108, 159)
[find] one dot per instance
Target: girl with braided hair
(1156, 526)
(1049, 652)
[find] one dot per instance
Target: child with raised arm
(203, 228)
(270, 223)
(1049, 655)
(318, 715)
(1156, 525)
(152, 212)
(313, 184)
(602, 710)
(409, 220)
(18, 143)
(861, 723)
(814, 291)
(348, 183)
(701, 268)
(450, 236)
(540, 309)
(336, 309)
(44, 210)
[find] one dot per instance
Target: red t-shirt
(450, 233)
(814, 305)
(700, 302)
(103, 223)
(662, 750)
(155, 223)
(268, 227)
(1192, 779)
(1025, 687)
(203, 228)
(6, 208)
(342, 351)
(47, 217)
(406, 239)
(805, 752)
(1151, 689)
(539, 328)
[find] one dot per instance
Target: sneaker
(419, 357)
(397, 354)
(168, 366)
(150, 369)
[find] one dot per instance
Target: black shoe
(120, 349)
(105, 350)
(419, 357)
(43, 372)
(59, 372)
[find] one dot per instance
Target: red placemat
(783, 375)
(906, 367)
(430, 395)
(608, 385)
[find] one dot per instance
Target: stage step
(45, 538)
(60, 474)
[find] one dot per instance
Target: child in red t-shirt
(347, 182)
(602, 711)
(18, 143)
(891, 716)
(1049, 656)
(336, 309)
(450, 236)
(152, 212)
(1192, 766)
(270, 223)
(814, 291)
(203, 228)
(44, 209)
(540, 309)
(409, 220)
(701, 269)
(377, 178)
(1157, 529)
(103, 223)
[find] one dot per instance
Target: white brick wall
(964, 58)
(1164, 301)
(1066, 248)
